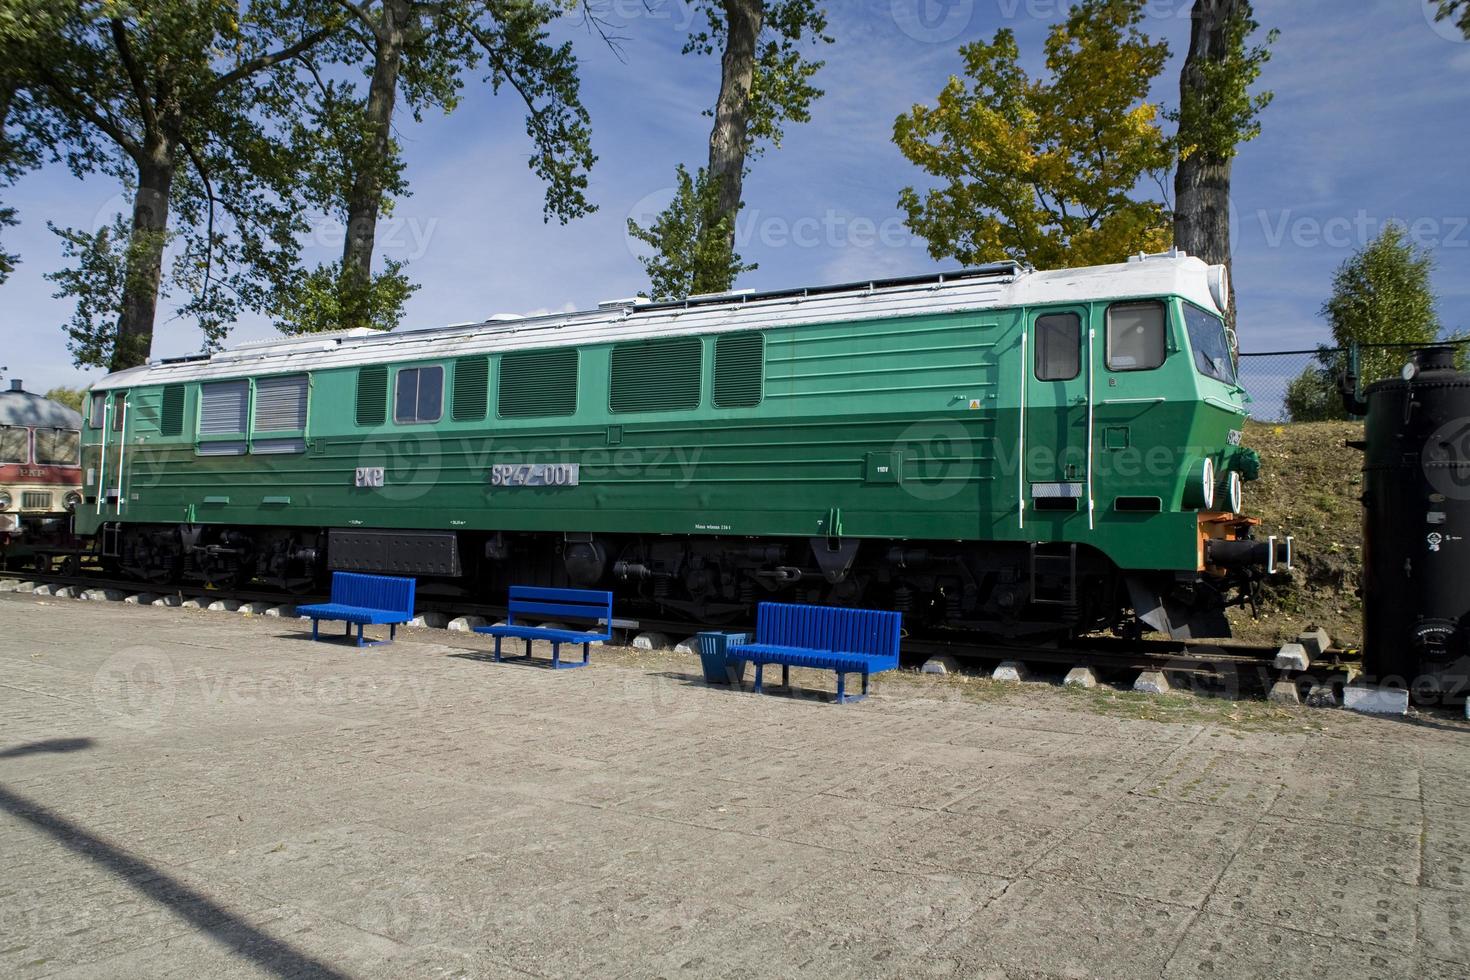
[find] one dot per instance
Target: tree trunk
(144, 264)
(728, 139)
(366, 195)
(1202, 182)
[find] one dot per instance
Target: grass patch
(1191, 709)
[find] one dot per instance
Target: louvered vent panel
(662, 376)
(171, 415)
(372, 395)
(740, 362)
(538, 384)
(471, 387)
(222, 407)
(280, 403)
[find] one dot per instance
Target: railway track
(1214, 664)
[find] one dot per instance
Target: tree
(690, 255)
(765, 85)
(1312, 396)
(1382, 295)
(171, 99)
(1217, 112)
(420, 54)
(1455, 11)
(1044, 170)
(70, 397)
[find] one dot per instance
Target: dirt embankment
(1310, 487)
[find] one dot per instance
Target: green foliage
(177, 100)
(70, 397)
(326, 299)
(1312, 396)
(1044, 170)
(1382, 295)
(1221, 113)
(781, 89)
(691, 250)
(1455, 11)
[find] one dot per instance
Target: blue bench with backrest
(542, 605)
(364, 600)
(848, 641)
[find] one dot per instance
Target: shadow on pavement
(264, 950)
(49, 745)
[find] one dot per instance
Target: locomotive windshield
(58, 447)
(1211, 345)
(15, 444)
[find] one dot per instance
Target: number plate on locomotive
(536, 475)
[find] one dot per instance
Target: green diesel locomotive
(999, 448)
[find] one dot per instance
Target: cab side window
(419, 396)
(96, 409)
(1136, 338)
(1058, 347)
(15, 444)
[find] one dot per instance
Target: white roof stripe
(1175, 275)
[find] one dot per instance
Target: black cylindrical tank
(1416, 530)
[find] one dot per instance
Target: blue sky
(1368, 126)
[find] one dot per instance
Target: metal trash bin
(719, 667)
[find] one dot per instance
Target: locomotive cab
(40, 470)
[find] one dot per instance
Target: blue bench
(365, 600)
(848, 641)
(554, 604)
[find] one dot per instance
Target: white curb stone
(1152, 682)
(140, 599)
(224, 605)
(465, 624)
(9, 584)
(650, 641)
(1080, 677)
(690, 646)
(281, 612)
(430, 621)
(254, 608)
(194, 604)
(1293, 656)
(1011, 670)
(171, 601)
(943, 665)
(1376, 700)
(105, 595)
(25, 588)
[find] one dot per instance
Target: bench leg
(315, 626)
(586, 654)
(497, 649)
(348, 631)
(785, 675)
(841, 687)
(555, 655)
(865, 683)
(760, 669)
(359, 633)
(528, 648)
(392, 632)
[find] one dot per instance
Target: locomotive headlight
(1234, 491)
(1199, 489)
(72, 500)
(5, 499)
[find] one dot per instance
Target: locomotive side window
(96, 407)
(119, 410)
(419, 395)
(1058, 347)
(280, 414)
(15, 444)
(1136, 339)
(1211, 346)
(58, 447)
(222, 417)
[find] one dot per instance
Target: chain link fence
(1301, 385)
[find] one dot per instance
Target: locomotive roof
(24, 408)
(999, 286)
